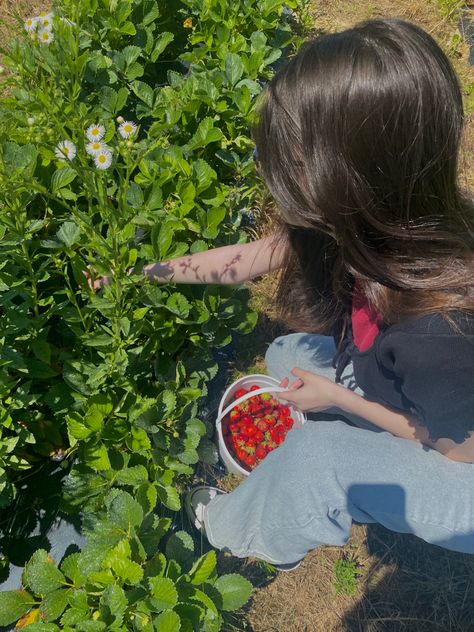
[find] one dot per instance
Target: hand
(310, 392)
(96, 283)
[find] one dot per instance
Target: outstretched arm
(227, 265)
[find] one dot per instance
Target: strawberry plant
(126, 140)
(132, 575)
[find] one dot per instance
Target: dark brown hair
(358, 140)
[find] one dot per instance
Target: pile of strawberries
(255, 427)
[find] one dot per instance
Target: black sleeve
(435, 375)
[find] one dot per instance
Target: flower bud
(30, 120)
(130, 143)
(120, 119)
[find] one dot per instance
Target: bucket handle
(271, 389)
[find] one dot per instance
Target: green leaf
(41, 574)
(96, 456)
(13, 605)
(69, 234)
(167, 621)
(204, 174)
(130, 572)
(124, 511)
(161, 43)
(203, 567)
(169, 496)
(144, 92)
(147, 496)
(234, 589)
(113, 604)
(207, 452)
(54, 604)
(21, 158)
(206, 133)
(234, 68)
(135, 475)
(163, 593)
(69, 567)
(180, 547)
(61, 178)
(178, 304)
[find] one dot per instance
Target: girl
(358, 140)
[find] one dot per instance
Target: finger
(301, 373)
(296, 384)
(284, 383)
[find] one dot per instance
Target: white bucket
(267, 385)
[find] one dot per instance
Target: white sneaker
(195, 501)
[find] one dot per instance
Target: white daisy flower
(95, 147)
(31, 24)
(95, 132)
(45, 37)
(65, 150)
(46, 21)
(103, 160)
(127, 129)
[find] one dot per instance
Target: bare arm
(227, 265)
(402, 425)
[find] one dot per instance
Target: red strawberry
(241, 454)
(260, 452)
(284, 411)
(250, 459)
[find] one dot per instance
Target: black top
(423, 367)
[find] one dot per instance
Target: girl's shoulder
(454, 324)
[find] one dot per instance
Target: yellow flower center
(95, 131)
(96, 146)
(102, 159)
(45, 22)
(29, 22)
(128, 128)
(45, 36)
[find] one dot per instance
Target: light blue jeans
(329, 473)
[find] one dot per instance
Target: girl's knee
(279, 356)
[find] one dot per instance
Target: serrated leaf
(163, 593)
(147, 496)
(206, 133)
(178, 304)
(62, 177)
(180, 547)
(124, 511)
(203, 567)
(135, 475)
(161, 43)
(69, 567)
(13, 605)
(69, 234)
(54, 604)
(113, 604)
(41, 573)
(234, 590)
(130, 572)
(234, 68)
(169, 496)
(208, 452)
(168, 621)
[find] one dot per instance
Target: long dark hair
(358, 140)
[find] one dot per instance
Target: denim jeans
(329, 473)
